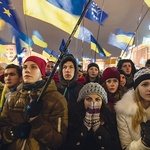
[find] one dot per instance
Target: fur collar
(127, 105)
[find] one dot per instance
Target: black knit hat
(141, 75)
(92, 65)
(121, 72)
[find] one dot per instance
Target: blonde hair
(138, 118)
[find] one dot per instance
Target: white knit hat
(92, 88)
(141, 75)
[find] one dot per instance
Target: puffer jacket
(126, 108)
(48, 128)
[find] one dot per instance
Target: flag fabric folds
(62, 46)
(94, 13)
(112, 40)
(24, 39)
(53, 56)
(62, 14)
(84, 34)
(125, 37)
(8, 15)
(38, 40)
(96, 47)
(147, 2)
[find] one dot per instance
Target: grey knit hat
(141, 75)
(92, 88)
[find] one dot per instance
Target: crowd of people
(75, 111)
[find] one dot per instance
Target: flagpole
(64, 49)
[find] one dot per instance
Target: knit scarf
(35, 86)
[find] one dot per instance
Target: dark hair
(120, 63)
(147, 62)
(18, 68)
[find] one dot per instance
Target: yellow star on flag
(6, 11)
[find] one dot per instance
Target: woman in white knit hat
(96, 126)
(133, 114)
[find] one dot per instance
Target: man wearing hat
(133, 113)
(30, 124)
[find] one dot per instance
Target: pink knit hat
(39, 61)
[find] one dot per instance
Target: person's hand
(145, 133)
(20, 131)
(34, 108)
(96, 116)
(88, 116)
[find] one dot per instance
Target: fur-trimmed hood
(127, 105)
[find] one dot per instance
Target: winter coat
(48, 128)
(126, 108)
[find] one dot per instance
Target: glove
(145, 133)
(21, 131)
(96, 116)
(34, 108)
(88, 116)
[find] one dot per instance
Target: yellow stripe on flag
(39, 42)
(45, 11)
(147, 2)
(2, 49)
(125, 39)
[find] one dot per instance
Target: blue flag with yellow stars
(8, 15)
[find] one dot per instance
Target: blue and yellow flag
(84, 34)
(112, 40)
(51, 55)
(24, 39)
(8, 15)
(96, 47)
(94, 13)
(62, 14)
(38, 40)
(125, 37)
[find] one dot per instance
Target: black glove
(34, 108)
(145, 133)
(21, 131)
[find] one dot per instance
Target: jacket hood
(120, 63)
(68, 57)
(127, 105)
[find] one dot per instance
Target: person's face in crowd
(127, 68)
(93, 72)
(112, 85)
(11, 78)
(49, 67)
(31, 72)
(144, 90)
(1, 71)
(122, 80)
(68, 70)
(92, 98)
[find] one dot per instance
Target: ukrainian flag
(49, 54)
(124, 37)
(96, 47)
(62, 14)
